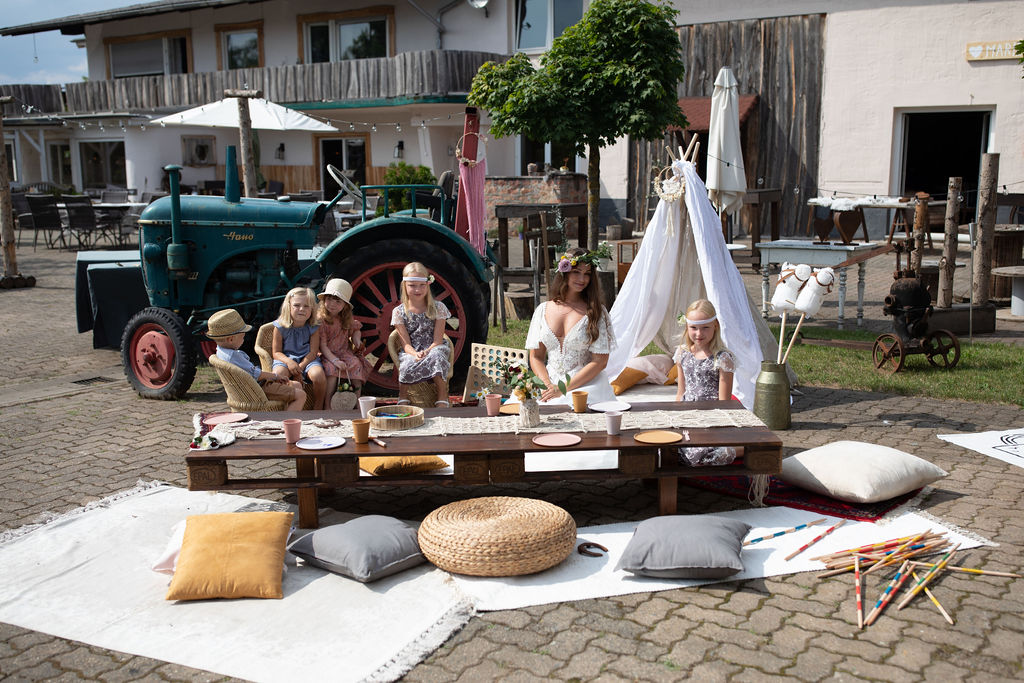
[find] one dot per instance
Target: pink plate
(557, 439)
(224, 418)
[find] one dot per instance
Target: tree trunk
(593, 194)
(982, 282)
(947, 265)
(6, 211)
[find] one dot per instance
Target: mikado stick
(782, 533)
(814, 540)
(932, 597)
(895, 557)
(881, 545)
(890, 590)
(931, 574)
(971, 570)
(856, 583)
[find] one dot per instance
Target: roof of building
(698, 111)
(75, 24)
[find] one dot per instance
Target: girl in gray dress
(706, 369)
(420, 323)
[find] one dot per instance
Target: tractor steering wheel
(344, 183)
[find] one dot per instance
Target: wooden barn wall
(779, 59)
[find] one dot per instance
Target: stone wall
(564, 188)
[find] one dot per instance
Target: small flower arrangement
(520, 379)
(345, 385)
(567, 261)
(670, 189)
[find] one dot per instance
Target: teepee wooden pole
(795, 333)
(782, 335)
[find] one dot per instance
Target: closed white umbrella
(726, 180)
(265, 115)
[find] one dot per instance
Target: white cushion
(656, 366)
(858, 472)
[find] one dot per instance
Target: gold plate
(658, 436)
(509, 409)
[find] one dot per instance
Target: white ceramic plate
(224, 418)
(608, 406)
(320, 443)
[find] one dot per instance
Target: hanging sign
(984, 50)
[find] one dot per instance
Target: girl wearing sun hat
(341, 344)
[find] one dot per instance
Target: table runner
(502, 424)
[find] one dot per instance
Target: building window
(241, 45)
(60, 163)
(149, 55)
(539, 22)
(359, 34)
(12, 175)
(102, 164)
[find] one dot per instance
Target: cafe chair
(244, 393)
(83, 223)
(45, 219)
(265, 351)
(22, 214)
(422, 394)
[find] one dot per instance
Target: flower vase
(529, 413)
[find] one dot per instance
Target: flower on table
(520, 380)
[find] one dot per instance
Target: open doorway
(347, 154)
(941, 145)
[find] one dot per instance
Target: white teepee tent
(683, 257)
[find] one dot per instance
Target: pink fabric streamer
(471, 185)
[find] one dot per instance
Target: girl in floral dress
(420, 323)
(706, 369)
(341, 344)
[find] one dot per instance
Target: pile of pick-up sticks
(903, 554)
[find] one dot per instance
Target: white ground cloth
(87, 577)
(580, 577)
(1007, 446)
(683, 257)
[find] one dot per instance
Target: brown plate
(658, 436)
(509, 409)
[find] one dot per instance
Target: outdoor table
(480, 459)
(815, 254)
(505, 211)
(1016, 275)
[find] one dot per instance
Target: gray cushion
(685, 547)
(365, 549)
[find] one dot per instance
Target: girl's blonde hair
(703, 309)
(285, 315)
(417, 269)
(344, 316)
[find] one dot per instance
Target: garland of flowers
(458, 150)
(567, 261)
(670, 189)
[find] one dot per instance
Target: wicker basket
(497, 536)
(394, 424)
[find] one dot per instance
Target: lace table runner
(502, 424)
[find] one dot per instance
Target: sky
(48, 57)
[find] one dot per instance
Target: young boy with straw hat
(228, 329)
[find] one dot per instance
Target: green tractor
(201, 254)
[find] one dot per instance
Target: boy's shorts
(278, 391)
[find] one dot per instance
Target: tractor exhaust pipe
(177, 252)
(232, 192)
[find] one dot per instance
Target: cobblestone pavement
(63, 445)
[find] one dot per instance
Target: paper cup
(361, 430)
(579, 401)
(365, 403)
(292, 429)
(493, 403)
(613, 422)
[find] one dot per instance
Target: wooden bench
(480, 459)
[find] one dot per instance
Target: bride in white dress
(571, 333)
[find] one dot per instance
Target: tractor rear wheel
(375, 273)
(158, 354)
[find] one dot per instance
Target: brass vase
(771, 395)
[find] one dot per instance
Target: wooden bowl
(380, 418)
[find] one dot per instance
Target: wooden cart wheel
(888, 353)
(942, 348)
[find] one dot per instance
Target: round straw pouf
(497, 536)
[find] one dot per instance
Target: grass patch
(986, 373)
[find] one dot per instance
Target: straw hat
(339, 288)
(226, 323)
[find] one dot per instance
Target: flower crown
(568, 261)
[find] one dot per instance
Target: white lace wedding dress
(573, 353)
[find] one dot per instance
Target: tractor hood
(211, 211)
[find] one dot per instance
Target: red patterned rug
(781, 493)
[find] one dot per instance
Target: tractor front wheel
(158, 354)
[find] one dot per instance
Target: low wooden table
(481, 458)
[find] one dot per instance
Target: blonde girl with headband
(341, 342)
(706, 370)
(296, 344)
(420, 323)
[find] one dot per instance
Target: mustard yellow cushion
(231, 555)
(673, 374)
(627, 378)
(401, 464)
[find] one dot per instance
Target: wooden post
(947, 265)
(245, 137)
(920, 225)
(6, 209)
(982, 283)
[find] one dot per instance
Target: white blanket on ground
(87, 577)
(1007, 445)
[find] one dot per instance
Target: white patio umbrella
(726, 180)
(265, 115)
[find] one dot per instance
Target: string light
(373, 128)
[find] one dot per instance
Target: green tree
(614, 73)
(1019, 49)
